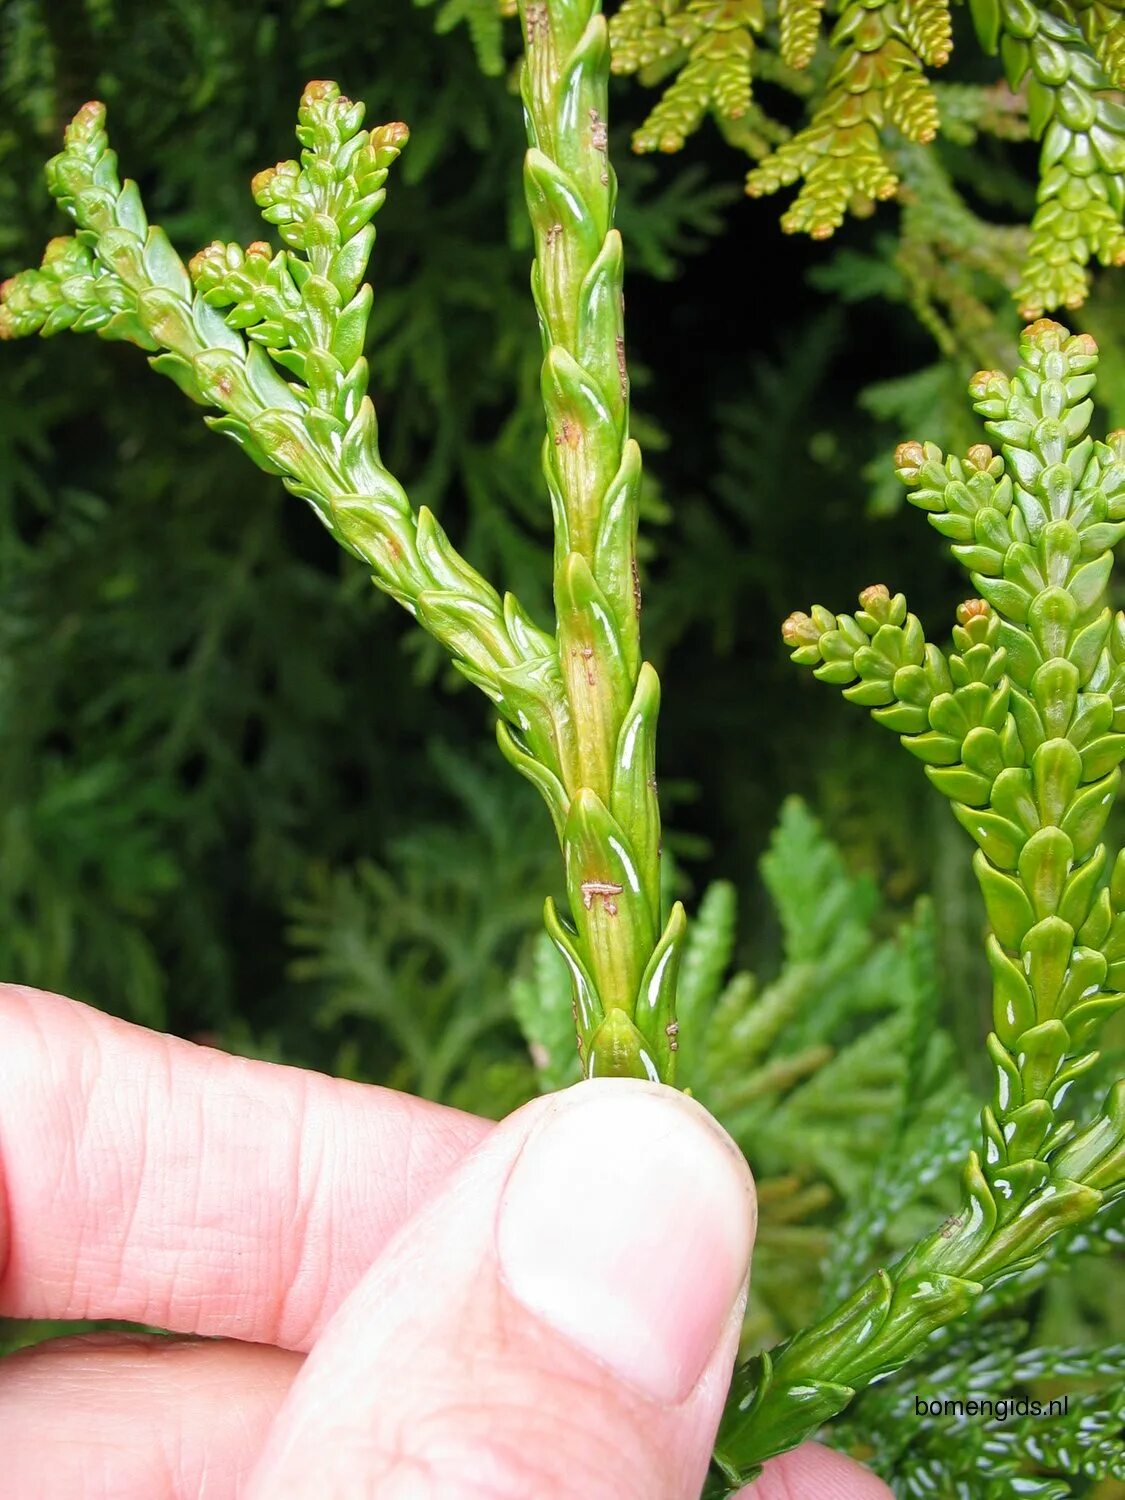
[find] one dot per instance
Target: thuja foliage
(187, 706)
(1023, 1452)
(577, 714)
(405, 963)
(272, 341)
(484, 22)
(864, 77)
(1018, 725)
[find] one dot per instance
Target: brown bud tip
(1115, 439)
(874, 595)
(396, 133)
(979, 456)
(321, 88)
(980, 382)
(1084, 343)
(213, 254)
(799, 630)
(972, 609)
(909, 458)
(261, 248)
(1042, 327)
(86, 123)
(261, 180)
(6, 288)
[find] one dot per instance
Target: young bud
(984, 381)
(971, 609)
(800, 630)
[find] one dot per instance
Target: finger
(813, 1472)
(133, 1417)
(124, 1417)
(145, 1178)
(559, 1321)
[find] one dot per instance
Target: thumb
(560, 1322)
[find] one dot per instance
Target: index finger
(146, 1178)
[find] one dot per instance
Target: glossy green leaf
(633, 798)
(999, 839)
(588, 1011)
(655, 1010)
(1009, 910)
(607, 901)
(1044, 865)
(1086, 817)
(1013, 1006)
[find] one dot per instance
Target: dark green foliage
(812, 1072)
(975, 1455)
(406, 964)
(484, 20)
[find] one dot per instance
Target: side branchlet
(272, 342)
(1021, 724)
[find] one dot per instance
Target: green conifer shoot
(1021, 725)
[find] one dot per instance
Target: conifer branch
(299, 312)
(1101, 26)
(877, 93)
(1081, 194)
(877, 78)
(1021, 727)
(275, 341)
(623, 967)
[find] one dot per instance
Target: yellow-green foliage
(865, 74)
(714, 47)
(875, 80)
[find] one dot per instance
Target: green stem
(623, 969)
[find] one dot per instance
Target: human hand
(402, 1301)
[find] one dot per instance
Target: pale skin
(386, 1286)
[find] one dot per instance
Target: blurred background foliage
(243, 800)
